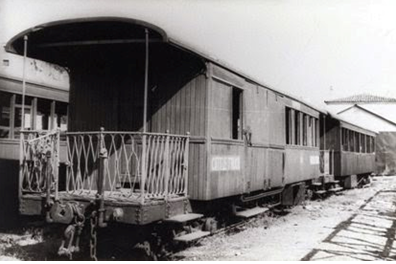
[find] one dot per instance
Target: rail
(127, 164)
(39, 161)
(327, 162)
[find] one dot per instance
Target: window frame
(301, 129)
(15, 107)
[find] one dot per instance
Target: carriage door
(239, 133)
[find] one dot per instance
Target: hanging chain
(71, 240)
(93, 236)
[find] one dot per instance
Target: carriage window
(301, 129)
(27, 114)
(348, 144)
(43, 115)
(351, 141)
(61, 110)
(355, 135)
(288, 124)
(372, 145)
(316, 132)
(5, 100)
(367, 144)
(305, 127)
(313, 134)
(297, 130)
(362, 148)
(5, 114)
(357, 142)
(364, 144)
(309, 131)
(236, 113)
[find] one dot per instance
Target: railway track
(275, 211)
(232, 226)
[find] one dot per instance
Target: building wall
(367, 120)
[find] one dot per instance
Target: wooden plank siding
(346, 162)
(184, 98)
(111, 96)
(262, 160)
(9, 149)
(228, 182)
(197, 170)
(110, 93)
(356, 163)
(301, 164)
(184, 111)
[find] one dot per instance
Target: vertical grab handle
(167, 167)
(101, 179)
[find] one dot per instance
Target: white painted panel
(226, 163)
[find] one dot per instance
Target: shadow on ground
(367, 235)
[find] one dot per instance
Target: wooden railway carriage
(354, 149)
(227, 136)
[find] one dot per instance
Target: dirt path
(358, 224)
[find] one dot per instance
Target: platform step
(251, 212)
(182, 218)
(367, 185)
(337, 189)
(334, 182)
(192, 236)
(320, 192)
(317, 184)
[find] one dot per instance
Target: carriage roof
(41, 34)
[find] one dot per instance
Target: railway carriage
(354, 150)
(155, 127)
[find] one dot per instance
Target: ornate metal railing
(114, 165)
(127, 164)
(39, 161)
(327, 162)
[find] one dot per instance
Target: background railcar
(45, 109)
(354, 149)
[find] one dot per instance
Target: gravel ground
(357, 224)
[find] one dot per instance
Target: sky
(315, 50)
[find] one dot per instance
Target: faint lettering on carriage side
(226, 163)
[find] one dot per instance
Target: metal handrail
(123, 132)
(123, 172)
(39, 162)
(138, 165)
